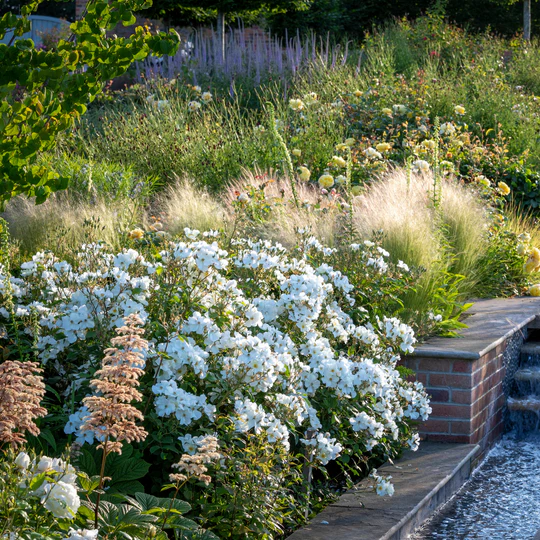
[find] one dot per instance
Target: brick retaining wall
(469, 389)
(467, 397)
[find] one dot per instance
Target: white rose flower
(44, 464)
(61, 500)
(82, 534)
(22, 461)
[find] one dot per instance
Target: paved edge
(384, 511)
(424, 508)
(489, 323)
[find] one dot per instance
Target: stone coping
(423, 480)
(490, 322)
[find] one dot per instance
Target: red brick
(461, 427)
(497, 377)
(463, 366)
(454, 381)
(495, 434)
(492, 395)
(481, 419)
(450, 410)
(496, 351)
(485, 401)
(462, 396)
(438, 394)
(409, 362)
(436, 426)
(435, 364)
(423, 378)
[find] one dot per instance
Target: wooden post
(80, 8)
(527, 20)
(221, 33)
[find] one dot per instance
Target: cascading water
(524, 403)
(501, 501)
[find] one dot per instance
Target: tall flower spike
(21, 391)
(112, 418)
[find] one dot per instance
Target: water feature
(524, 391)
(501, 501)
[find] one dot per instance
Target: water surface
(501, 501)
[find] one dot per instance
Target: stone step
(531, 348)
(528, 374)
(529, 403)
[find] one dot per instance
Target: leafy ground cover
(204, 332)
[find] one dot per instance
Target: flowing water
(501, 501)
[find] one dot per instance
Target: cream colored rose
(304, 174)
(326, 180)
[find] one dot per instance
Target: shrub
(257, 344)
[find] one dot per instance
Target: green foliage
(44, 92)
(124, 470)
(180, 12)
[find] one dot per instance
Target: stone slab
(423, 480)
(490, 323)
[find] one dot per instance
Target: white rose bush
(286, 357)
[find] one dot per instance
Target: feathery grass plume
(111, 414)
(448, 239)
(317, 213)
(21, 391)
(184, 205)
(34, 226)
(402, 209)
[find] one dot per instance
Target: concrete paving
(489, 323)
(423, 480)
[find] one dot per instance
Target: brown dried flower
(194, 465)
(111, 414)
(21, 391)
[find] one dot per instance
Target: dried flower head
(111, 414)
(194, 465)
(21, 391)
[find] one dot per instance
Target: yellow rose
(357, 93)
(429, 144)
(304, 173)
(356, 190)
(341, 146)
(296, 104)
(296, 152)
(338, 161)
(533, 262)
(535, 290)
(459, 109)
(386, 111)
(349, 142)
(483, 181)
(535, 255)
(503, 188)
(311, 98)
(136, 234)
(326, 180)
(383, 147)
